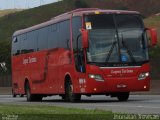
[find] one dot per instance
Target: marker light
(143, 76)
(97, 12)
(96, 77)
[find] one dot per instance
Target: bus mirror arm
(85, 38)
(153, 36)
(78, 40)
(80, 66)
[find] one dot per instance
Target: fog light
(95, 89)
(145, 87)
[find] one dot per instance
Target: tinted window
(23, 43)
(76, 26)
(32, 41)
(64, 34)
(53, 36)
(129, 21)
(99, 21)
(42, 38)
(15, 46)
(77, 44)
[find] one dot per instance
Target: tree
(5, 53)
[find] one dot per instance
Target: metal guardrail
(5, 80)
(5, 75)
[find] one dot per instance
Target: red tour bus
(83, 52)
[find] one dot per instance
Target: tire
(13, 94)
(123, 96)
(21, 95)
(63, 97)
(37, 98)
(31, 97)
(69, 95)
(28, 92)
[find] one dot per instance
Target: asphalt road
(138, 104)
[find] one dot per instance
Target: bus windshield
(116, 38)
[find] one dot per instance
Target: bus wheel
(69, 95)
(31, 97)
(37, 98)
(63, 97)
(123, 96)
(28, 92)
(21, 95)
(13, 94)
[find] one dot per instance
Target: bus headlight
(143, 76)
(96, 77)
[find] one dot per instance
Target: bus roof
(77, 12)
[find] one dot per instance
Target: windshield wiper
(110, 51)
(128, 50)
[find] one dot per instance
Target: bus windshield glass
(116, 38)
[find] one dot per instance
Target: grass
(32, 112)
(43, 112)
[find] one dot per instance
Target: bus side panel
(59, 59)
(47, 76)
(44, 70)
(17, 75)
(29, 67)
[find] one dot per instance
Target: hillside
(146, 7)
(9, 11)
(26, 18)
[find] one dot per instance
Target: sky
(23, 4)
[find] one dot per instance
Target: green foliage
(81, 4)
(154, 52)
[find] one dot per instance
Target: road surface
(138, 104)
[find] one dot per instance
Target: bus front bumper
(114, 85)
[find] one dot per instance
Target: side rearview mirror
(153, 36)
(85, 38)
(3, 66)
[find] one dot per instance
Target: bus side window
(31, 41)
(64, 34)
(23, 43)
(43, 38)
(53, 36)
